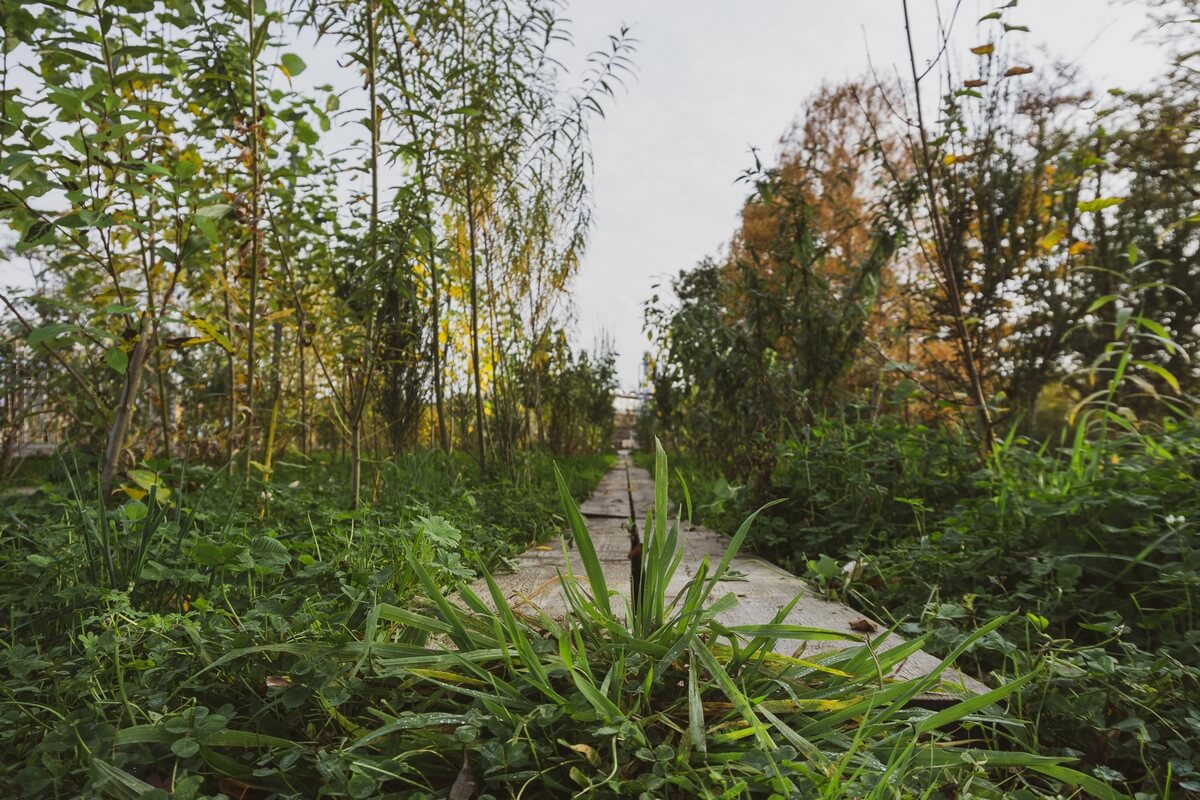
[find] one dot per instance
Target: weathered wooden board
(761, 588)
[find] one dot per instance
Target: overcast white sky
(716, 77)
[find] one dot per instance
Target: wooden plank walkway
(760, 587)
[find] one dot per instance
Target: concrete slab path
(760, 587)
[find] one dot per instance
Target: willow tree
(218, 287)
(501, 162)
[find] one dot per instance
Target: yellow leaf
(447, 677)
(588, 752)
(206, 327)
(1052, 238)
(147, 480)
(1080, 247)
(1100, 203)
(1014, 71)
(134, 492)
(984, 49)
(285, 312)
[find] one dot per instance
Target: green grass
(349, 660)
(1086, 546)
(177, 611)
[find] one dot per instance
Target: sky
(717, 77)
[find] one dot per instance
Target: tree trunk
(355, 462)
(475, 325)
(125, 409)
(269, 449)
(254, 190)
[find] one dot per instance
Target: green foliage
(349, 688)
(1099, 567)
(753, 341)
(233, 261)
(182, 633)
(578, 396)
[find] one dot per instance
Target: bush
(1094, 546)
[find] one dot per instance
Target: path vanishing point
(761, 588)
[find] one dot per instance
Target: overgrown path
(761, 588)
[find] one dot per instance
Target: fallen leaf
(863, 626)
(279, 682)
(466, 785)
(588, 752)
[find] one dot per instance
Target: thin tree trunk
(475, 325)
(254, 189)
(438, 389)
(358, 399)
(355, 461)
(231, 438)
(164, 402)
(303, 388)
(276, 353)
(434, 288)
(945, 255)
(125, 409)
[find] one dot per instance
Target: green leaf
(1093, 786)
(260, 39)
(1163, 373)
(1156, 328)
(149, 480)
(583, 540)
(117, 360)
(695, 709)
(1100, 203)
(40, 232)
(213, 212)
(48, 333)
(292, 64)
(116, 782)
(135, 511)
(954, 713)
(185, 748)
